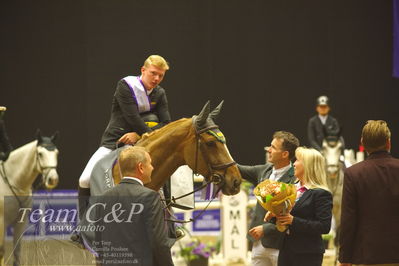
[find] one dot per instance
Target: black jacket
(5, 145)
(312, 218)
(125, 116)
(317, 131)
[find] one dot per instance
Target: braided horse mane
(166, 147)
(163, 130)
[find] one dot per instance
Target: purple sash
(139, 93)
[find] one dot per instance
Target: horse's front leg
(20, 224)
(18, 233)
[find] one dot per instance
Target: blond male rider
(139, 105)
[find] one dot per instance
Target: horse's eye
(40, 154)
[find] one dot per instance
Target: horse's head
(212, 158)
(331, 151)
(47, 159)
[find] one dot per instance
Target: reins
(41, 169)
(5, 178)
(215, 178)
(198, 215)
(333, 183)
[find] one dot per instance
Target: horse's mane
(161, 131)
(21, 151)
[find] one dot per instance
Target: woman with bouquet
(311, 214)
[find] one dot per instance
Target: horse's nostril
(236, 183)
(52, 182)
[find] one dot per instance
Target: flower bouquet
(276, 197)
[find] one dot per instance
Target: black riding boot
(83, 202)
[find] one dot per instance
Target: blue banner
(51, 213)
(395, 71)
(209, 221)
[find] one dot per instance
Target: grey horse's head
(47, 159)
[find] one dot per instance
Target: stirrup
(76, 239)
(179, 233)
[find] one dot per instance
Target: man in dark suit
(370, 200)
(131, 217)
(322, 125)
(5, 145)
(264, 235)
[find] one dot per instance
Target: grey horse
(332, 150)
(17, 176)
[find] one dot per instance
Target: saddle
(101, 178)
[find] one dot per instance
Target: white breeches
(84, 180)
(262, 256)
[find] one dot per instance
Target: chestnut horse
(196, 142)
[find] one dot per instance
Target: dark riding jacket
(5, 145)
(125, 116)
(317, 132)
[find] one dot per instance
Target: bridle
(332, 182)
(40, 168)
(43, 169)
(214, 177)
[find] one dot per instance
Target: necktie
(302, 189)
(300, 192)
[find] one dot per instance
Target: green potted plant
(197, 253)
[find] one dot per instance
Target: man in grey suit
(130, 217)
(370, 216)
(265, 237)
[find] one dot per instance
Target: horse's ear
(54, 136)
(203, 115)
(39, 136)
(216, 111)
